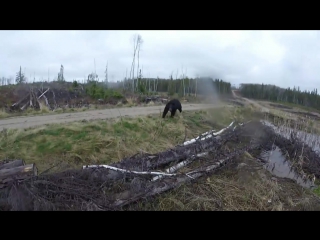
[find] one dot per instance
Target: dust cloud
(207, 89)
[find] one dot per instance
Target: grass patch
(317, 191)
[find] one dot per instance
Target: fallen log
(166, 184)
(127, 171)
(44, 96)
(17, 173)
(42, 93)
(207, 135)
(21, 100)
(180, 165)
(12, 164)
(148, 162)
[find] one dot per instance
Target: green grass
(317, 191)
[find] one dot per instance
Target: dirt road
(26, 122)
(262, 108)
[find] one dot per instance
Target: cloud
(284, 58)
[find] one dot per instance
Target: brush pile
(51, 98)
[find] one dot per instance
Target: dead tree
(137, 40)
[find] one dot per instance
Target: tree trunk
(150, 162)
(8, 175)
(20, 172)
(12, 164)
(156, 188)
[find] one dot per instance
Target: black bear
(172, 106)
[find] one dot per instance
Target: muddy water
(280, 167)
(312, 140)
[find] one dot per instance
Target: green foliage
(100, 92)
(317, 191)
(142, 88)
(75, 84)
(70, 89)
(20, 78)
(192, 86)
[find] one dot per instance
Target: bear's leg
(173, 112)
(165, 111)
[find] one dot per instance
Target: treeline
(182, 87)
(144, 86)
(274, 93)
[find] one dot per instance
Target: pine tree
(20, 78)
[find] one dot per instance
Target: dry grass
(131, 102)
(3, 114)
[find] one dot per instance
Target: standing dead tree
(60, 74)
(106, 75)
(137, 40)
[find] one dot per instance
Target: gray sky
(283, 58)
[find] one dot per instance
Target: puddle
(312, 140)
(280, 167)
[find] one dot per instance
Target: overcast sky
(283, 58)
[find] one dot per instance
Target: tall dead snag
(137, 40)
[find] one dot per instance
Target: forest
(274, 93)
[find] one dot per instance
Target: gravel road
(33, 121)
